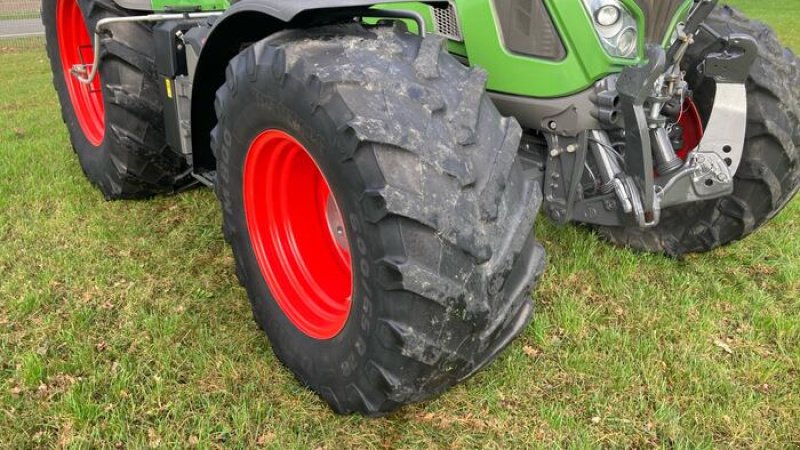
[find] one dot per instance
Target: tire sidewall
(286, 109)
(95, 160)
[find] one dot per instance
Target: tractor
(380, 164)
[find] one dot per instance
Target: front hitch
(642, 85)
(709, 169)
(636, 86)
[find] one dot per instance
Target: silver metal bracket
(704, 177)
(400, 14)
(727, 126)
(710, 168)
(86, 73)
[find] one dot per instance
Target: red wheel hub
(298, 234)
(692, 125)
(76, 48)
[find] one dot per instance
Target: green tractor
(380, 165)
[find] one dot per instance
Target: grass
(121, 325)
(19, 15)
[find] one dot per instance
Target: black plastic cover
(170, 57)
(528, 29)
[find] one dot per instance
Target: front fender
(246, 22)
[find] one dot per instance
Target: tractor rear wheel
(769, 175)
(116, 123)
(379, 217)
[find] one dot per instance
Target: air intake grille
(447, 22)
(658, 15)
(528, 29)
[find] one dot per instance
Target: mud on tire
(769, 175)
(438, 212)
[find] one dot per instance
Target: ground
(121, 325)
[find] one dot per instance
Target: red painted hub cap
(298, 234)
(75, 47)
(692, 125)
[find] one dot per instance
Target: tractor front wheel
(769, 175)
(379, 217)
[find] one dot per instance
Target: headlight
(607, 15)
(615, 26)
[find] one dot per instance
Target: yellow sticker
(169, 87)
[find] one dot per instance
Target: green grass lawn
(19, 15)
(121, 324)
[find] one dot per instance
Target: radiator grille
(528, 29)
(658, 15)
(447, 22)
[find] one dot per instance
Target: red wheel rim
(75, 47)
(692, 125)
(298, 234)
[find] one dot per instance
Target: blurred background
(20, 24)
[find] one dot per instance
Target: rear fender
(173, 5)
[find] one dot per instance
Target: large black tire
(133, 159)
(439, 213)
(769, 175)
